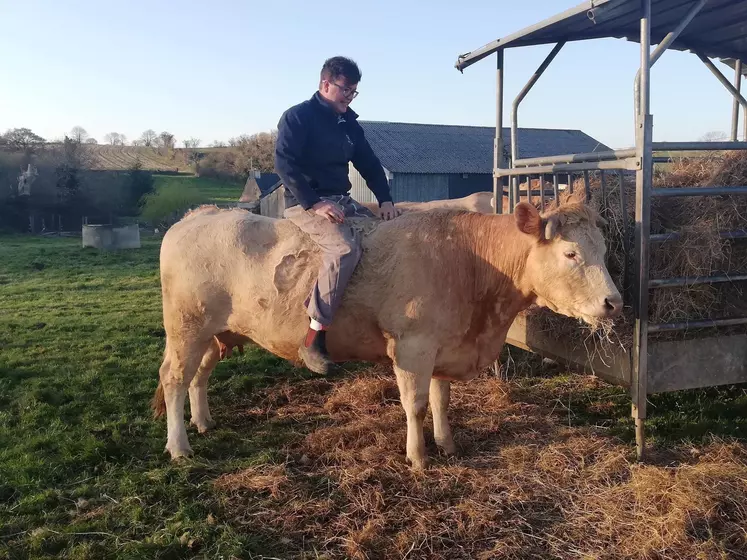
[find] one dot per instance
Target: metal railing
(639, 159)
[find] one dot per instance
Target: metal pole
(541, 179)
(515, 110)
(576, 158)
(587, 186)
(555, 189)
(644, 151)
(664, 45)
(721, 78)
(498, 160)
(735, 106)
(626, 244)
(603, 188)
(698, 146)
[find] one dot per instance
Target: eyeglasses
(346, 91)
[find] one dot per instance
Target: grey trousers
(341, 251)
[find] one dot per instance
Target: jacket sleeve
(291, 139)
(365, 161)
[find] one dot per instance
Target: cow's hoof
(203, 426)
(447, 447)
(179, 452)
(418, 464)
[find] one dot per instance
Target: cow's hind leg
(440, 391)
(413, 365)
(181, 361)
(198, 403)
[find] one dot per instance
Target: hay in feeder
(699, 251)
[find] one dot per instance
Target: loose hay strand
(525, 485)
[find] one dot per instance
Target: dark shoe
(314, 352)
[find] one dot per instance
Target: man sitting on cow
(317, 139)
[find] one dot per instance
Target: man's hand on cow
(329, 210)
(387, 211)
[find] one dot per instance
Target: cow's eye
(570, 255)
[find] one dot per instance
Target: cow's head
(565, 267)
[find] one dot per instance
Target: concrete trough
(110, 238)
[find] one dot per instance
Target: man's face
(339, 93)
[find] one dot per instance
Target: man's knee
(350, 249)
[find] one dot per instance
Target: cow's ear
(528, 219)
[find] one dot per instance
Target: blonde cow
(434, 295)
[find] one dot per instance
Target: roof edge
(473, 126)
(469, 58)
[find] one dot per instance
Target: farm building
(257, 185)
(435, 162)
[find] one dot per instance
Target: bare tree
(218, 144)
(714, 136)
(148, 137)
(78, 134)
(167, 140)
(191, 143)
(115, 139)
(91, 141)
(256, 152)
(23, 139)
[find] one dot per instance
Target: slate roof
(435, 148)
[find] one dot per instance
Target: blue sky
(218, 69)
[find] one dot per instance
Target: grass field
(302, 467)
(212, 189)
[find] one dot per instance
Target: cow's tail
(158, 402)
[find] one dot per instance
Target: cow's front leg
(413, 365)
(439, 398)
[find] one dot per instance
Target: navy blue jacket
(313, 149)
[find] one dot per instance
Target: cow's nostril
(612, 305)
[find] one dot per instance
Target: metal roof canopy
(719, 30)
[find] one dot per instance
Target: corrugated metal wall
(410, 187)
(359, 190)
(460, 186)
(419, 187)
(273, 205)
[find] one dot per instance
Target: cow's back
(249, 274)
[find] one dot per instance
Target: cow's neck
(501, 253)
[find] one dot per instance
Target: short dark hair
(340, 66)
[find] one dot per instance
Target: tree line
(231, 160)
(63, 189)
